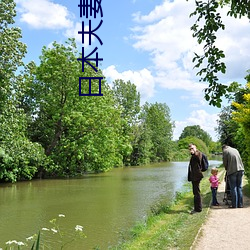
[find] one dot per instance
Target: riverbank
(173, 227)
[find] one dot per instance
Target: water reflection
(105, 204)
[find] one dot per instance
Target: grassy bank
(170, 227)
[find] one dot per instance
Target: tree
(142, 145)
(227, 127)
(183, 144)
(196, 131)
(229, 130)
(20, 158)
(233, 123)
(12, 50)
(215, 148)
(208, 23)
(79, 133)
(156, 120)
(242, 117)
(128, 100)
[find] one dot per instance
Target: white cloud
(159, 12)
(168, 39)
(208, 122)
(143, 80)
(234, 41)
(165, 33)
(48, 15)
(44, 14)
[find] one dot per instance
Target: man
(235, 170)
(195, 175)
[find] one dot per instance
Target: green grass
(246, 188)
(170, 226)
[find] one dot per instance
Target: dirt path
(225, 228)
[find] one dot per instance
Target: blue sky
(148, 42)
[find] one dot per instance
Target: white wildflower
(20, 243)
(10, 242)
(29, 238)
(61, 215)
(45, 229)
(78, 228)
(54, 230)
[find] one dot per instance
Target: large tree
(12, 51)
(227, 127)
(184, 142)
(19, 157)
(128, 100)
(156, 120)
(196, 131)
(205, 29)
(79, 133)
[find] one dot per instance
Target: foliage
(232, 124)
(156, 121)
(128, 100)
(201, 146)
(227, 127)
(215, 148)
(205, 28)
(241, 115)
(196, 131)
(78, 133)
(21, 158)
(142, 145)
(48, 129)
(12, 50)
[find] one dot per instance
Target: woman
(195, 175)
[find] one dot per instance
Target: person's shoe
(194, 212)
(231, 206)
(241, 206)
(217, 204)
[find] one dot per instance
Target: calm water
(104, 204)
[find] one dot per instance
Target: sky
(146, 42)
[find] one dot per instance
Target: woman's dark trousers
(197, 196)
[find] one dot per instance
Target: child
(214, 185)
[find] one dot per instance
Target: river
(104, 204)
